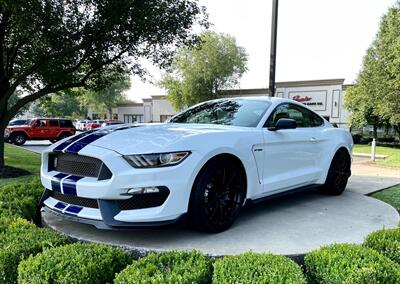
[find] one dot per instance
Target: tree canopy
(201, 72)
(375, 97)
(47, 46)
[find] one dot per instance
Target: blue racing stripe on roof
(69, 185)
(71, 140)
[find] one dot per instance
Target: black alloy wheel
(217, 196)
(19, 139)
(338, 174)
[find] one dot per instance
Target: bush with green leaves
(386, 241)
(350, 263)
(257, 268)
(172, 267)
(19, 239)
(20, 199)
(74, 263)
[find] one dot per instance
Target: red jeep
(52, 129)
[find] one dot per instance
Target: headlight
(156, 160)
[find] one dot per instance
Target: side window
(53, 123)
(41, 123)
(279, 112)
(66, 123)
(302, 116)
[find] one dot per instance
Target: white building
(323, 96)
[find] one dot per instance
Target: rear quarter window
(66, 123)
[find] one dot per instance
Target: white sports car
(205, 163)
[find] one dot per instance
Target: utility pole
(272, 60)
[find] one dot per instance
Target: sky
(317, 39)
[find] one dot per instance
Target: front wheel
(338, 174)
(19, 139)
(217, 197)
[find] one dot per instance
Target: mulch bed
(11, 172)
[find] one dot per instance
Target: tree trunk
(397, 128)
(2, 162)
(375, 133)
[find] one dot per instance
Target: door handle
(314, 139)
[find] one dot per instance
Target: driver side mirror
(284, 123)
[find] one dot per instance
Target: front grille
(75, 200)
(140, 201)
(79, 165)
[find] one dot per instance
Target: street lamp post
(272, 60)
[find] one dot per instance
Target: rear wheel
(63, 136)
(338, 174)
(217, 197)
(19, 139)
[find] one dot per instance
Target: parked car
(94, 124)
(205, 163)
(19, 122)
(111, 122)
(82, 124)
(52, 129)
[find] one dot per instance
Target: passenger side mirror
(284, 123)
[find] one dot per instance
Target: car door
(54, 128)
(290, 155)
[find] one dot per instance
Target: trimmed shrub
(171, 267)
(350, 263)
(387, 242)
(18, 240)
(257, 268)
(20, 199)
(74, 263)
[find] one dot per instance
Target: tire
(338, 174)
(63, 136)
(217, 196)
(19, 139)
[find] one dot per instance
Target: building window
(133, 118)
(165, 117)
(95, 116)
(115, 116)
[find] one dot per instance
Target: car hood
(155, 138)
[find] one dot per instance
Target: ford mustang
(204, 164)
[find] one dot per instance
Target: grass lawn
(20, 158)
(390, 195)
(393, 159)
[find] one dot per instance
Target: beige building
(323, 96)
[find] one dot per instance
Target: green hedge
(74, 263)
(19, 239)
(20, 199)
(350, 263)
(171, 267)
(387, 242)
(257, 268)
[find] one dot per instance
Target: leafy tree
(104, 100)
(65, 103)
(200, 73)
(375, 97)
(48, 46)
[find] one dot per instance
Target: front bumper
(108, 194)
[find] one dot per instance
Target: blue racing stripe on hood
(77, 146)
(71, 140)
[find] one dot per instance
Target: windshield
(235, 112)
